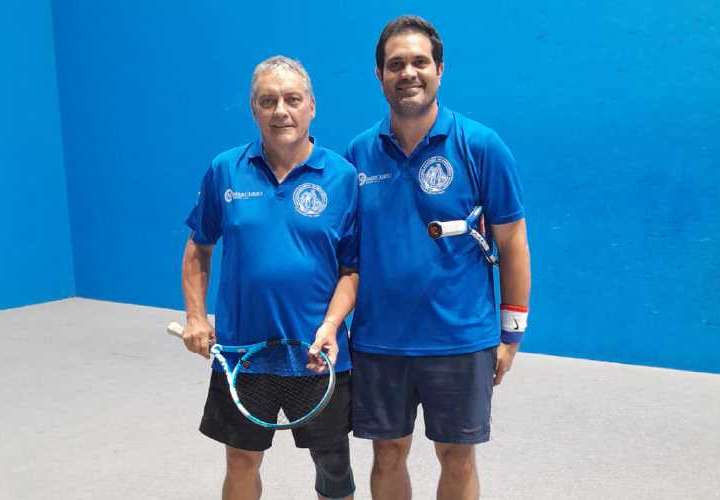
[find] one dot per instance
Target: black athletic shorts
(223, 422)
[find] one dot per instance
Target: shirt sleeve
(500, 189)
(205, 219)
(348, 245)
(348, 155)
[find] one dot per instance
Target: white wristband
(513, 318)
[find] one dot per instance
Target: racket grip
(438, 229)
(175, 329)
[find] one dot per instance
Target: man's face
(282, 107)
(410, 77)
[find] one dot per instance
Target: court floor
(98, 403)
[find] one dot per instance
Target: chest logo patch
(231, 195)
(364, 179)
(435, 175)
(309, 199)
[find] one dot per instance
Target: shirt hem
(425, 351)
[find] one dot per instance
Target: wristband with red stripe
(513, 323)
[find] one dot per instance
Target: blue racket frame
(485, 246)
(247, 352)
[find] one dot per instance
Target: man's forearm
(195, 277)
(514, 262)
(343, 299)
(515, 274)
(514, 290)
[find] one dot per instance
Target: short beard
(412, 109)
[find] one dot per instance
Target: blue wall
(612, 110)
(35, 249)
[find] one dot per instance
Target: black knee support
(333, 474)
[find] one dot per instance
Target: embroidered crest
(435, 175)
(309, 199)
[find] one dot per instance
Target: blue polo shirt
(419, 296)
(283, 244)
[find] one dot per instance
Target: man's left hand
(505, 355)
(325, 340)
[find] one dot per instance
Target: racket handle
(175, 329)
(438, 229)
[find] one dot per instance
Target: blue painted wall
(35, 249)
(612, 110)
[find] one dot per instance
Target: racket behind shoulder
(270, 382)
(438, 229)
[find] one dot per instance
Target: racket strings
(265, 395)
(276, 379)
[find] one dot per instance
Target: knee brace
(333, 474)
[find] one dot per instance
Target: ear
(378, 74)
(312, 107)
(440, 70)
(252, 108)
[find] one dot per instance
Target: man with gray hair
(285, 208)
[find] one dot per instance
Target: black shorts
(223, 422)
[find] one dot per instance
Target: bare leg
(242, 477)
(389, 479)
(458, 475)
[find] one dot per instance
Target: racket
(270, 382)
(437, 229)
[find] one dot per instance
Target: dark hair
(408, 23)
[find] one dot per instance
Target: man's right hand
(199, 336)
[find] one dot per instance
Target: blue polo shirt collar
(316, 160)
(441, 127)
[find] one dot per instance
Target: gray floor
(97, 403)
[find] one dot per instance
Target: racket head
(271, 384)
(485, 247)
